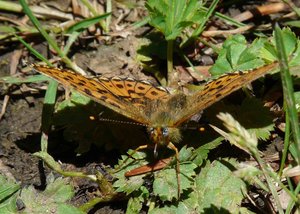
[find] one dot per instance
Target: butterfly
(155, 107)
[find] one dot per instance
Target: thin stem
(170, 60)
(286, 143)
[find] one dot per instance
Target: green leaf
(81, 25)
(291, 46)
(20, 80)
(171, 17)
(293, 23)
(76, 98)
(52, 200)
(201, 153)
(268, 52)
(210, 184)
(237, 55)
(165, 182)
(290, 40)
(294, 61)
(135, 204)
(211, 192)
(8, 196)
(253, 108)
(131, 184)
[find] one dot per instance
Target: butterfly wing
(219, 88)
(125, 96)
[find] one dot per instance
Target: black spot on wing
(88, 92)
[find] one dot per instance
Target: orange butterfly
(161, 111)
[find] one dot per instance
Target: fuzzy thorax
(162, 115)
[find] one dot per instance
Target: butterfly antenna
(117, 121)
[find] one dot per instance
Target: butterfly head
(163, 135)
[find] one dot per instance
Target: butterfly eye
(165, 132)
(151, 130)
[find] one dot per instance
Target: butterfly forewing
(107, 92)
(219, 88)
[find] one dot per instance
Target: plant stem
(170, 60)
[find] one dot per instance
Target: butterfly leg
(174, 148)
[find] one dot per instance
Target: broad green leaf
(52, 200)
(290, 41)
(216, 190)
(171, 17)
(237, 55)
(134, 183)
(165, 182)
(291, 45)
(221, 191)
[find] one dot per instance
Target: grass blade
(288, 90)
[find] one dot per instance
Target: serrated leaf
(290, 40)
(268, 52)
(171, 17)
(253, 108)
(201, 153)
(131, 184)
(59, 190)
(185, 153)
(216, 190)
(165, 182)
(52, 200)
(237, 55)
(134, 205)
(166, 177)
(216, 186)
(291, 45)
